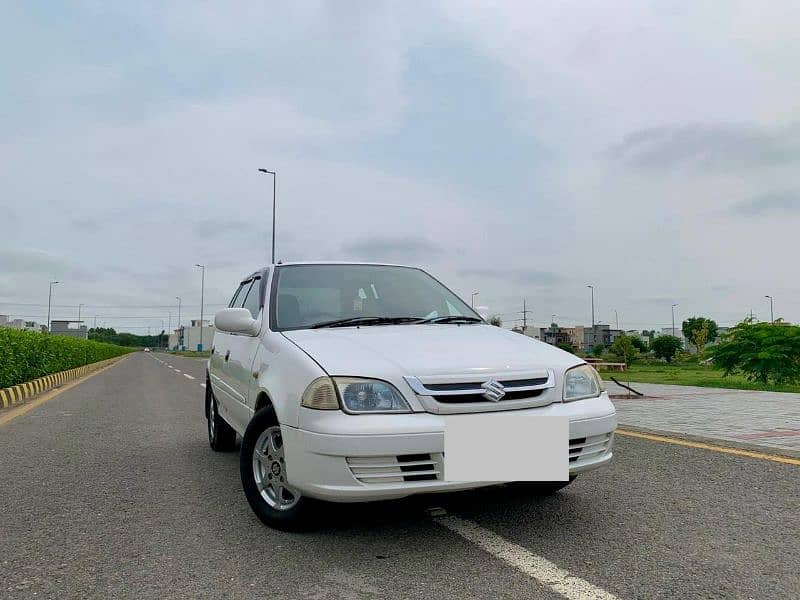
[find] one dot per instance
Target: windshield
(304, 296)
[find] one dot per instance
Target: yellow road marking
(735, 451)
(12, 413)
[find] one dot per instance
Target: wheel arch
(262, 399)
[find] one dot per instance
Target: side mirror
(236, 320)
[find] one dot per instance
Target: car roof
(323, 262)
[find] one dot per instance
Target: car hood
(426, 350)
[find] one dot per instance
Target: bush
(665, 346)
(566, 347)
(28, 355)
(763, 352)
(598, 351)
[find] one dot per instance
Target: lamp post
(180, 328)
(79, 311)
(472, 299)
(771, 311)
(49, 303)
(673, 320)
(616, 316)
(274, 194)
(202, 294)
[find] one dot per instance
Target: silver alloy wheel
(212, 419)
(269, 470)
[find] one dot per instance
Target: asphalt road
(110, 490)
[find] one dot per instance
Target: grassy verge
(27, 355)
(699, 375)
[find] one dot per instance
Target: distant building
(529, 330)
(69, 329)
(7, 321)
(579, 337)
(188, 338)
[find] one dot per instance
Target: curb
(17, 394)
(721, 442)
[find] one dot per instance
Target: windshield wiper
(365, 321)
(452, 319)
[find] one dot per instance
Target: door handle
(227, 355)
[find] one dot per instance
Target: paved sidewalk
(767, 419)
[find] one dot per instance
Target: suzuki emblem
(494, 390)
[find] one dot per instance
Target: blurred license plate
(495, 447)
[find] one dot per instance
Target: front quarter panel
(284, 372)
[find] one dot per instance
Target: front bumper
(321, 455)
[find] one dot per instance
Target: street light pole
(180, 328)
(673, 320)
(616, 316)
(79, 311)
(472, 299)
(274, 195)
(771, 311)
(49, 303)
(202, 294)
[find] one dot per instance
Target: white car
(339, 377)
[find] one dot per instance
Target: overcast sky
(651, 149)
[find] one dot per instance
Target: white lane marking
(188, 376)
(537, 567)
(177, 370)
(202, 385)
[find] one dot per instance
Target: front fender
(284, 372)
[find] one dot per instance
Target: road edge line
(707, 445)
(9, 414)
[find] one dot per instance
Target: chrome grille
(449, 394)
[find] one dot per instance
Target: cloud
(521, 276)
(767, 204)
(407, 248)
(86, 225)
(31, 261)
(720, 147)
(222, 227)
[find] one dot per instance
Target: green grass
(28, 355)
(693, 374)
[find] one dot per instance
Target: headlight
(369, 395)
(582, 382)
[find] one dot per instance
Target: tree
(639, 344)
(566, 347)
(699, 331)
(761, 351)
(665, 346)
(496, 321)
(597, 351)
(624, 349)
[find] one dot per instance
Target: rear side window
(253, 300)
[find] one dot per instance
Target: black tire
(546, 488)
(294, 518)
(221, 436)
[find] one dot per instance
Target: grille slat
(467, 398)
(395, 469)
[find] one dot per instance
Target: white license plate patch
(507, 447)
